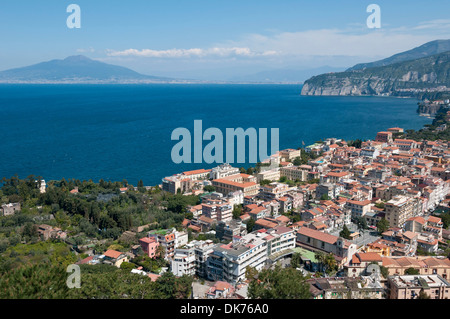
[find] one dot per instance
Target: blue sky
(211, 38)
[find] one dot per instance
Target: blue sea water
(118, 132)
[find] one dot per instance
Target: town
(343, 219)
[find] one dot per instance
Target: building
(399, 209)
(149, 246)
(183, 261)
(273, 191)
(359, 262)
(227, 230)
(319, 241)
(385, 137)
(9, 209)
(223, 171)
(177, 184)
(217, 210)
(426, 265)
(239, 182)
(342, 288)
(294, 173)
(411, 286)
(199, 174)
(289, 154)
(114, 257)
(405, 145)
(359, 208)
(165, 238)
(229, 262)
(269, 175)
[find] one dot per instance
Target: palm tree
(321, 259)
(330, 262)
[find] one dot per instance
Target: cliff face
(396, 79)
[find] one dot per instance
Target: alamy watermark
(374, 20)
(74, 20)
(190, 149)
(74, 279)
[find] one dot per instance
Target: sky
(213, 39)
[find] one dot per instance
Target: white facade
(223, 170)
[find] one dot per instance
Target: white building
(223, 170)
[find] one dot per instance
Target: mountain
(427, 49)
(283, 75)
(408, 78)
(76, 69)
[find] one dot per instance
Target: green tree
(237, 211)
(250, 225)
(296, 260)
(412, 271)
(209, 188)
(382, 225)
(423, 295)
(279, 283)
(41, 281)
(345, 233)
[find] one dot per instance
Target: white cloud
(82, 50)
(187, 53)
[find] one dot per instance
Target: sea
(117, 132)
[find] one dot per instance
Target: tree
(279, 283)
(345, 233)
(127, 266)
(237, 211)
(265, 182)
(170, 287)
(321, 259)
(361, 223)
(209, 188)
(412, 271)
(250, 225)
(330, 262)
(41, 281)
(296, 260)
(423, 295)
(382, 225)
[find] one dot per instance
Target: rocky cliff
(403, 78)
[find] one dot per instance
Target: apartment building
(359, 208)
(315, 240)
(191, 258)
(399, 209)
(149, 246)
(9, 209)
(177, 184)
(165, 238)
(385, 137)
(289, 154)
(223, 170)
(294, 173)
(199, 174)
(229, 262)
(269, 175)
(239, 182)
(411, 286)
(274, 191)
(217, 209)
(227, 230)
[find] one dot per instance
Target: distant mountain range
(76, 69)
(81, 69)
(423, 69)
(284, 75)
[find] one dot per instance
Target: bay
(116, 132)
